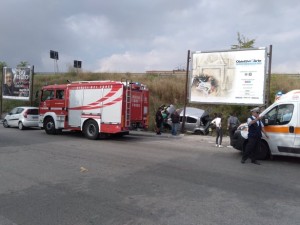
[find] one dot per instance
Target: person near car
(232, 124)
(158, 121)
(218, 123)
(255, 130)
(175, 118)
(165, 116)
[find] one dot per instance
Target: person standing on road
(158, 121)
(218, 122)
(232, 124)
(255, 128)
(175, 118)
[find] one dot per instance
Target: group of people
(162, 115)
(255, 130)
(232, 124)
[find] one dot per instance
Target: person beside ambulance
(255, 130)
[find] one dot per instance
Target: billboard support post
(269, 77)
(186, 90)
(31, 86)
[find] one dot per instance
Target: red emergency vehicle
(94, 107)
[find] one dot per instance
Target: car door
(14, 116)
(190, 123)
(11, 117)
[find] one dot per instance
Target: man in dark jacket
(255, 127)
(232, 124)
(158, 120)
(175, 118)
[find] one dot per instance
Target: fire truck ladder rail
(128, 104)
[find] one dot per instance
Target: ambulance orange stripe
(277, 129)
(281, 129)
(297, 130)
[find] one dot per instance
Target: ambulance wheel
(91, 130)
(49, 126)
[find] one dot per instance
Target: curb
(153, 134)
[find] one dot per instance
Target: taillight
(25, 114)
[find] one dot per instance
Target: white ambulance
(282, 124)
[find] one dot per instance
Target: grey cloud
(104, 32)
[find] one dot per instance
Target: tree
(2, 64)
(243, 42)
(23, 64)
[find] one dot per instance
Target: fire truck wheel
(49, 126)
(91, 130)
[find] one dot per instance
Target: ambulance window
(271, 116)
(285, 113)
(280, 115)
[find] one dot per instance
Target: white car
(22, 117)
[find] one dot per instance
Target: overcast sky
(141, 35)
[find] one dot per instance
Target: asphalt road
(140, 179)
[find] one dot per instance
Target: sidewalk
(206, 138)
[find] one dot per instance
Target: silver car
(22, 117)
(197, 121)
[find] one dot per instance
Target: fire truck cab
(94, 107)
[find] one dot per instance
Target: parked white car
(22, 117)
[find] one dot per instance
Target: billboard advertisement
(228, 77)
(16, 83)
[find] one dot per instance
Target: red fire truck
(94, 107)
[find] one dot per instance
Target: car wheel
(49, 126)
(263, 151)
(21, 126)
(5, 124)
(198, 132)
(91, 130)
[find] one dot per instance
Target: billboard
(16, 83)
(228, 77)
